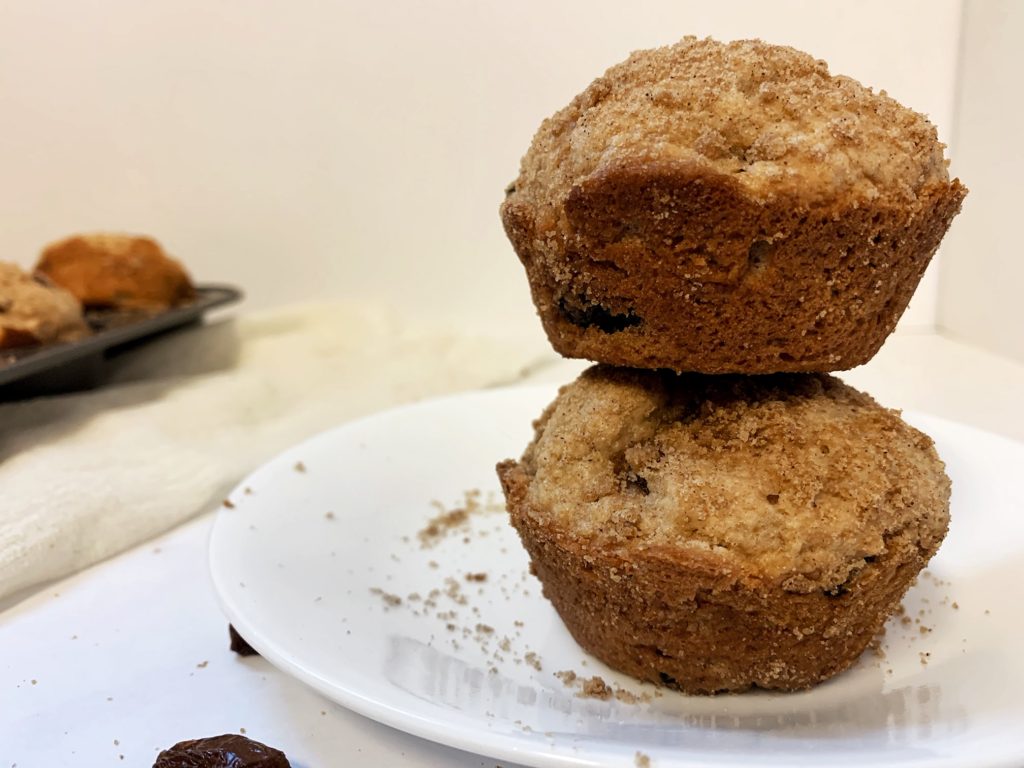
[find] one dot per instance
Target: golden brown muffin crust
(116, 271)
(772, 117)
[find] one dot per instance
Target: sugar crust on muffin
(108, 270)
(772, 116)
(794, 478)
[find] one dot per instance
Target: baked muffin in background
(725, 208)
(714, 533)
(115, 271)
(35, 311)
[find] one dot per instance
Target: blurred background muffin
(115, 271)
(35, 311)
(713, 533)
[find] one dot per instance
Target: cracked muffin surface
(725, 531)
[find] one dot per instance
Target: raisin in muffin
(110, 271)
(34, 311)
(725, 208)
(714, 533)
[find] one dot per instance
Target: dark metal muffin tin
(56, 368)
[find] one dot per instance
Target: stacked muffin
(719, 226)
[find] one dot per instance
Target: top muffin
(697, 176)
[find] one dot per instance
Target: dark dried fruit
(584, 313)
(239, 645)
(227, 751)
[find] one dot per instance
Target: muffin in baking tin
(35, 311)
(115, 271)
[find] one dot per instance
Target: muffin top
(770, 117)
(33, 310)
(795, 479)
(109, 270)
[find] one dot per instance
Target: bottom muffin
(714, 533)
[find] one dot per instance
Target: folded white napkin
(85, 476)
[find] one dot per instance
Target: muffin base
(682, 618)
(673, 266)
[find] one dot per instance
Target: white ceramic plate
(306, 564)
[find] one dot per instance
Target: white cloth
(88, 475)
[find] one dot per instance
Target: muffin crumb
(595, 688)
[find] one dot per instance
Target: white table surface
(111, 665)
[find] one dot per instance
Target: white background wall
(359, 149)
(983, 276)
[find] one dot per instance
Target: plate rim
(496, 745)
